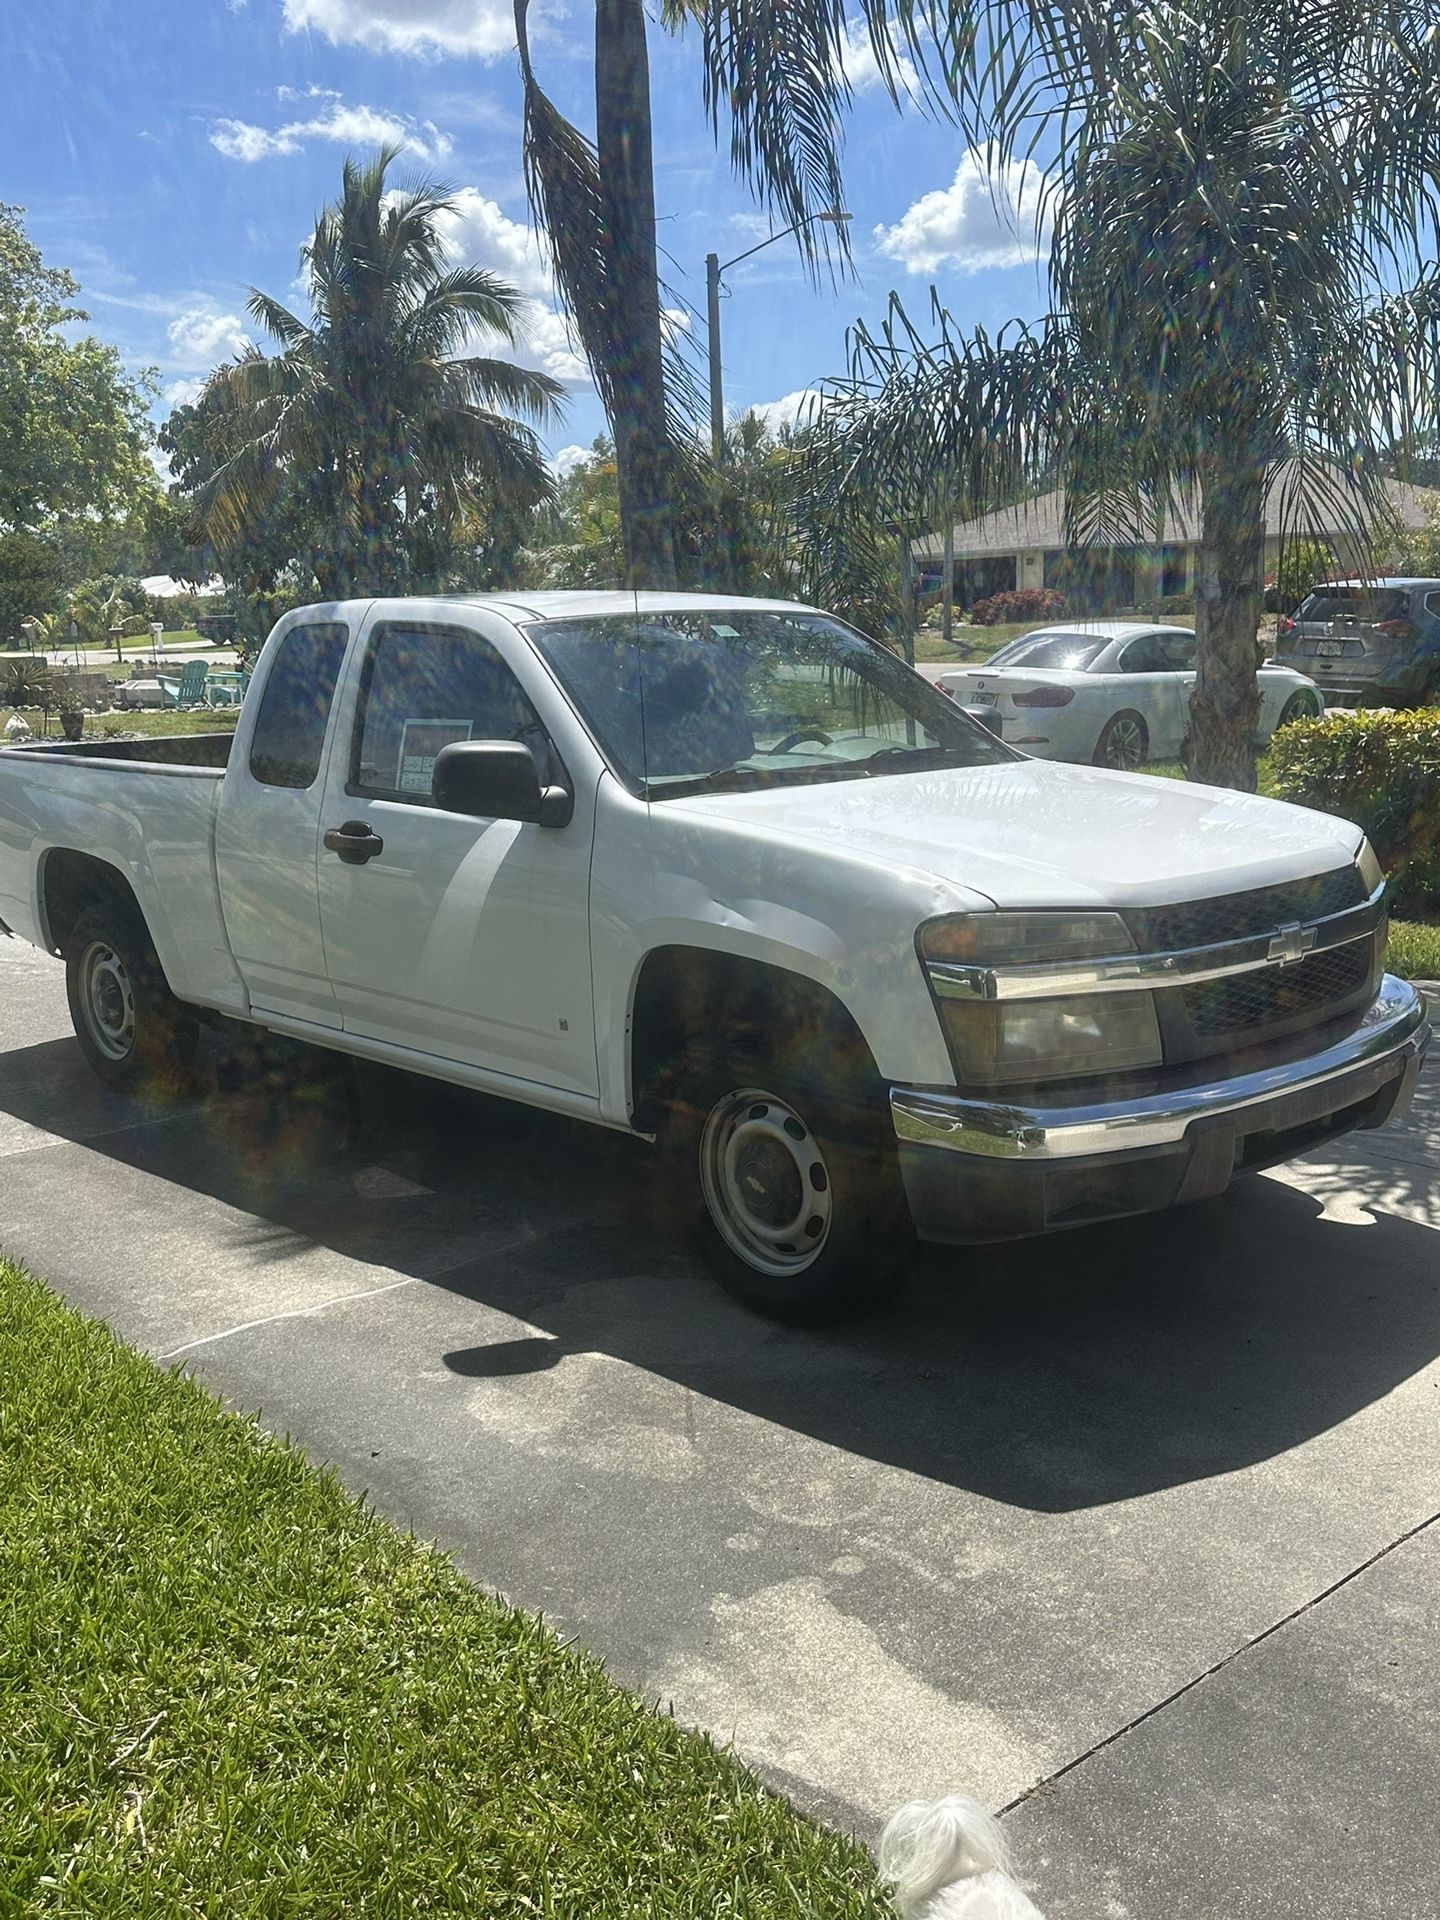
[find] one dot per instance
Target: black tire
(137, 1037)
(1300, 706)
(836, 1179)
(1124, 743)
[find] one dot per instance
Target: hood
(1037, 833)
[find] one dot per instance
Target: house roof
(1040, 523)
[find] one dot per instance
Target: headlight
(1371, 871)
(995, 1040)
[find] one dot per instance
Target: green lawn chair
(193, 675)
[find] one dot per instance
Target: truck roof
(553, 604)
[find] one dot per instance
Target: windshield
(1367, 605)
(690, 702)
(1074, 651)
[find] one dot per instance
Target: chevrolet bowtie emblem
(1290, 943)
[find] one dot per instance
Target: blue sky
(173, 153)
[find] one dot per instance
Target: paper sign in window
(420, 744)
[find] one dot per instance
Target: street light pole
(832, 216)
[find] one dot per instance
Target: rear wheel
(802, 1214)
(137, 1037)
(1124, 743)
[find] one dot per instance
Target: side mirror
(987, 717)
(496, 780)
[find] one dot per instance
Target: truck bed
(159, 750)
(146, 808)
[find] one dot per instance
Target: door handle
(354, 842)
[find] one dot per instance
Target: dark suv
(1367, 643)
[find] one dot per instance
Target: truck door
(267, 833)
(462, 938)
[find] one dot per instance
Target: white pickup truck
(724, 872)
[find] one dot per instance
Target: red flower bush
(1021, 603)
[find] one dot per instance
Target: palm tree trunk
(1225, 707)
(643, 455)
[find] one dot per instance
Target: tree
(29, 582)
(1239, 196)
(596, 204)
(73, 427)
(368, 431)
(1236, 191)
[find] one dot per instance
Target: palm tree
(596, 204)
(1239, 193)
(368, 424)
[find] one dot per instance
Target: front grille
(1236, 916)
(1261, 999)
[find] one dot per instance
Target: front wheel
(1300, 706)
(1124, 743)
(137, 1037)
(803, 1215)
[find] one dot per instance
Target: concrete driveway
(1133, 1527)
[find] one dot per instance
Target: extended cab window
(423, 688)
(294, 711)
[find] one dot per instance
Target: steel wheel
(107, 1001)
(765, 1182)
(1124, 744)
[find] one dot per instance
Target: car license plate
(981, 699)
(1331, 647)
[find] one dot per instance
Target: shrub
(1381, 770)
(1302, 563)
(1020, 603)
(1169, 604)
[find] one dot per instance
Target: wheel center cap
(770, 1182)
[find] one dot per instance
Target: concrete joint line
(1306, 1606)
(294, 1313)
(368, 1293)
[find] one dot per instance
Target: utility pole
(717, 385)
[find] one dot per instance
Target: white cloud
(183, 393)
(358, 126)
(984, 218)
(793, 410)
(477, 232)
(423, 28)
(549, 346)
(568, 459)
(862, 70)
(203, 336)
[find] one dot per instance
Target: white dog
(948, 1860)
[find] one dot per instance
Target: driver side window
(423, 688)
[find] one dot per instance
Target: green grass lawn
(228, 1689)
(1414, 950)
(102, 726)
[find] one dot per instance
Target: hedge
(1020, 603)
(1380, 769)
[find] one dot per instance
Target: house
(1024, 546)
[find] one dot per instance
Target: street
(1132, 1526)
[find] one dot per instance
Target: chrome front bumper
(1026, 1166)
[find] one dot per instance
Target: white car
(1115, 692)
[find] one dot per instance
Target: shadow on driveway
(1055, 1375)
